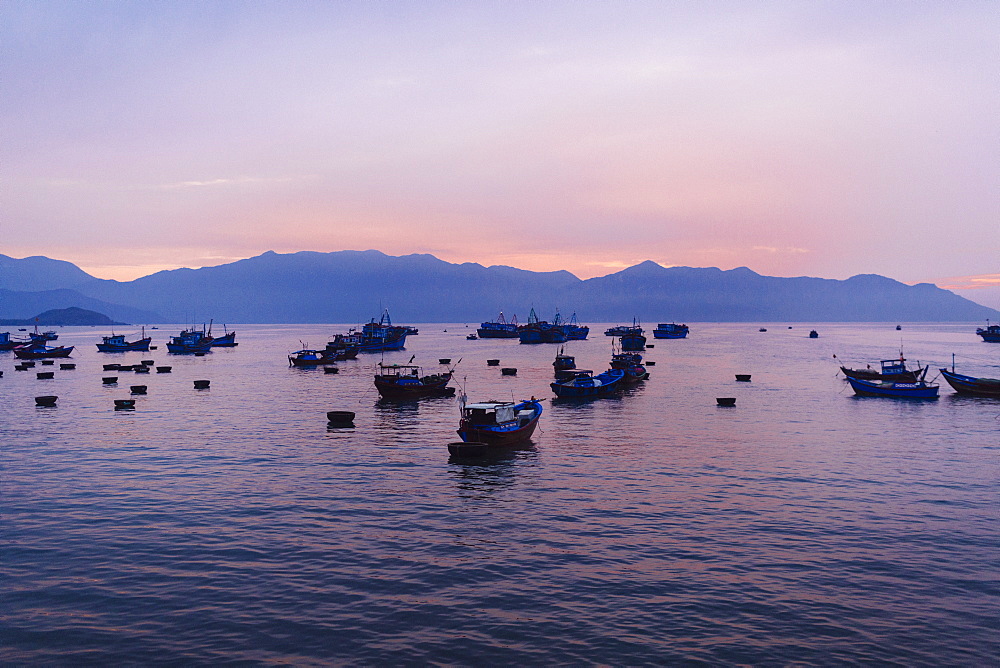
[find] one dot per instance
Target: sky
(795, 138)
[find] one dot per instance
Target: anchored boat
(971, 386)
(499, 423)
(886, 388)
(405, 381)
(670, 330)
(585, 384)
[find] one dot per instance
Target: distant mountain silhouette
(22, 305)
(40, 273)
(65, 317)
(354, 286)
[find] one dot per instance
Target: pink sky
(821, 139)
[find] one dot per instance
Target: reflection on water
(233, 525)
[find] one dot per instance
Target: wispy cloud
(975, 282)
(238, 181)
(790, 250)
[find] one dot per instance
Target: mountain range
(354, 286)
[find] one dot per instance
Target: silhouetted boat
(813, 334)
(670, 330)
(564, 365)
(190, 341)
(377, 336)
(541, 331)
(116, 343)
(34, 351)
(499, 423)
(227, 340)
(42, 337)
(7, 343)
(892, 370)
(575, 331)
(307, 357)
(585, 384)
(498, 329)
(971, 386)
(631, 364)
(885, 388)
(617, 330)
(403, 381)
(632, 338)
(991, 334)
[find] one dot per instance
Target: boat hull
(670, 331)
(42, 353)
(410, 391)
(227, 340)
(871, 374)
(590, 387)
(870, 388)
(140, 345)
(973, 387)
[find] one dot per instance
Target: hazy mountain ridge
(353, 286)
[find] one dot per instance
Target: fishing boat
(340, 349)
(575, 331)
(564, 366)
(887, 388)
(42, 337)
(671, 330)
(631, 364)
(618, 330)
(542, 331)
(472, 337)
(7, 343)
(405, 381)
(990, 334)
(116, 343)
(813, 334)
(36, 351)
(971, 386)
(893, 370)
(499, 423)
(307, 358)
(632, 338)
(377, 336)
(227, 340)
(190, 341)
(585, 384)
(499, 328)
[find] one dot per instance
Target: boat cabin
(489, 413)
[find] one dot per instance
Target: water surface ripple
(230, 526)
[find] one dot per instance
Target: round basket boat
(137, 389)
(109, 380)
(493, 362)
(508, 371)
(468, 449)
(202, 384)
(163, 369)
(340, 418)
(49, 400)
(112, 367)
(45, 375)
(743, 377)
(124, 404)
(726, 401)
(67, 367)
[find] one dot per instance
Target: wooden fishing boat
(227, 340)
(377, 336)
(813, 334)
(307, 357)
(585, 384)
(971, 386)
(563, 362)
(116, 343)
(405, 381)
(575, 331)
(618, 330)
(341, 349)
(499, 328)
(7, 343)
(190, 341)
(33, 351)
(633, 339)
(893, 370)
(671, 330)
(631, 364)
(541, 331)
(42, 337)
(885, 388)
(990, 334)
(499, 423)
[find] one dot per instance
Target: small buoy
(163, 369)
(340, 418)
(147, 362)
(20, 367)
(124, 404)
(201, 384)
(109, 380)
(152, 347)
(649, 363)
(508, 371)
(67, 367)
(444, 360)
(493, 362)
(726, 401)
(111, 367)
(762, 329)
(468, 449)
(49, 400)
(142, 369)
(48, 362)
(743, 377)
(28, 365)
(45, 375)
(138, 389)
(331, 369)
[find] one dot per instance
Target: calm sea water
(803, 526)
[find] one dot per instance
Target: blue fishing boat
(618, 330)
(632, 337)
(887, 388)
(377, 336)
(227, 340)
(893, 370)
(575, 331)
(670, 330)
(541, 331)
(499, 328)
(990, 334)
(585, 384)
(42, 337)
(190, 341)
(116, 343)
(499, 423)
(7, 343)
(972, 386)
(340, 349)
(631, 364)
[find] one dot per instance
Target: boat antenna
(953, 362)
(411, 358)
